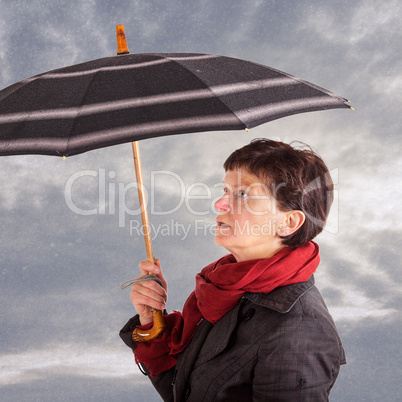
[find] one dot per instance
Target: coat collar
(281, 299)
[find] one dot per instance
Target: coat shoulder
(298, 305)
(301, 320)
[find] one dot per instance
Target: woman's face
(248, 217)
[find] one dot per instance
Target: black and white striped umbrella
(130, 97)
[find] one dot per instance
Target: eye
(242, 194)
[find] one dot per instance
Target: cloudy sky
(61, 306)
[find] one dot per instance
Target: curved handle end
(141, 335)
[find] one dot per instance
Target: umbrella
(129, 97)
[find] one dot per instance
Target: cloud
(65, 359)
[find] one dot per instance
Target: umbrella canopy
(130, 97)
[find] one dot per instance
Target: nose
(223, 205)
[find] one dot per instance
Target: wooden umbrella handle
(158, 327)
(158, 322)
(143, 202)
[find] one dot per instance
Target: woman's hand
(149, 294)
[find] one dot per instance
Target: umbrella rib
(175, 60)
(301, 81)
(78, 112)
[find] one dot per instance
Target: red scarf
(219, 287)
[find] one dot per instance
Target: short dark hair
(298, 178)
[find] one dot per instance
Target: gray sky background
(61, 306)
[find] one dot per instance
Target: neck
(247, 254)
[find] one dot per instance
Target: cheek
(258, 208)
(262, 219)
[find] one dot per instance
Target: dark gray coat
(281, 346)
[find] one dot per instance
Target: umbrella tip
(352, 108)
(64, 157)
(246, 130)
(121, 40)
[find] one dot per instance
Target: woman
(256, 327)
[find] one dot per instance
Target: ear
(291, 221)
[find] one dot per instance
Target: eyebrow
(235, 185)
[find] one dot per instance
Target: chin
(220, 240)
(225, 243)
(217, 240)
